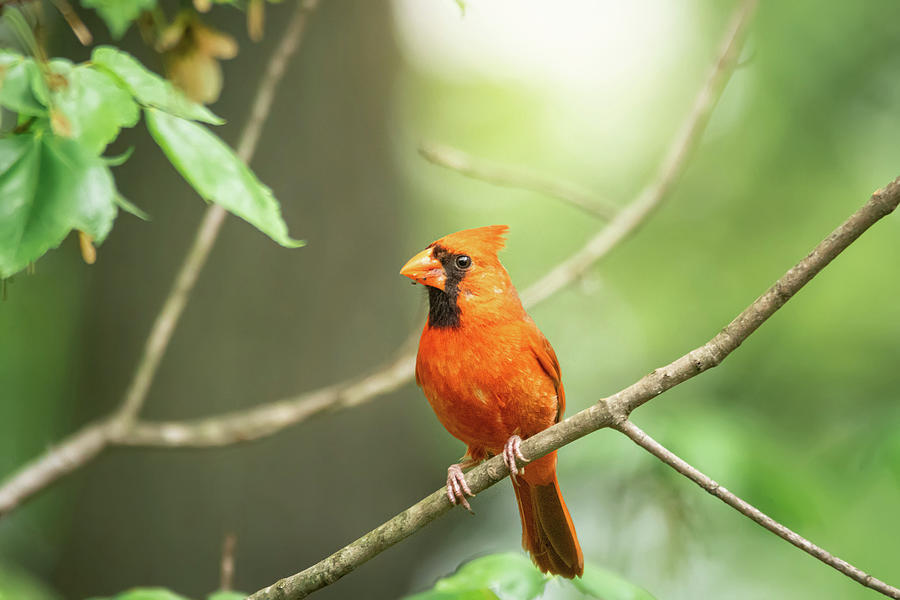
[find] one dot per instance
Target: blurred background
(803, 420)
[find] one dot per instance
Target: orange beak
(425, 269)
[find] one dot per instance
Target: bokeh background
(803, 420)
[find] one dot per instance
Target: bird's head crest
(481, 240)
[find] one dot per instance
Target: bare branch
(270, 418)
(670, 169)
(74, 21)
(608, 412)
(70, 454)
(262, 421)
(659, 451)
(84, 445)
(517, 177)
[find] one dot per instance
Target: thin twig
(254, 423)
(670, 169)
(608, 412)
(74, 21)
(517, 177)
(745, 508)
(226, 571)
(82, 446)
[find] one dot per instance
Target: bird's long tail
(547, 530)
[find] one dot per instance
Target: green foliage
(164, 594)
(230, 595)
(16, 584)
(509, 576)
(146, 594)
(119, 14)
(52, 176)
(20, 85)
(606, 585)
(217, 173)
(50, 185)
(94, 105)
(512, 576)
(148, 88)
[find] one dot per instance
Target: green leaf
(223, 595)
(507, 576)
(17, 584)
(119, 14)
(49, 186)
(606, 585)
(149, 88)
(21, 85)
(131, 208)
(95, 106)
(217, 174)
(146, 594)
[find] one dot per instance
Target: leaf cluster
(54, 177)
(512, 576)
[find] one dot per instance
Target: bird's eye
(463, 262)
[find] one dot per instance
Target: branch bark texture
(608, 412)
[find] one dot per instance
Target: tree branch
(82, 446)
(245, 425)
(517, 177)
(643, 440)
(608, 412)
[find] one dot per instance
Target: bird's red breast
(489, 374)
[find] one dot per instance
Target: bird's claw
(457, 488)
(512, 451)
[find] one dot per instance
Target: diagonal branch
(240, 426)
(82, 446)
(608, 412)
(517, 177)
(670, 169)
(639, 437)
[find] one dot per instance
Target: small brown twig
(74, 21)
(226, 572)
(517, 177)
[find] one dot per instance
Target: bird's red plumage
(494, 375)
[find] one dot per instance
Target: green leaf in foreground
(229, 595)
(94, 104)
(119, 14)
(21, 84)
(17, 584)
(149, 88)
(217, 174)
(49, 186)
(606, 585)
(146, 594)
(508, 576)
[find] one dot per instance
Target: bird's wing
(550, 364)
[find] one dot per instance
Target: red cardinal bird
(493, 379)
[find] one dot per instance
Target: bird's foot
(457, 488)
(511, 451)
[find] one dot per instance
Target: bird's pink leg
(457, 488)
(511, 451)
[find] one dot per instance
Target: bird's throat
(443, 310)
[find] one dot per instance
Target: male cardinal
(492, 379)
